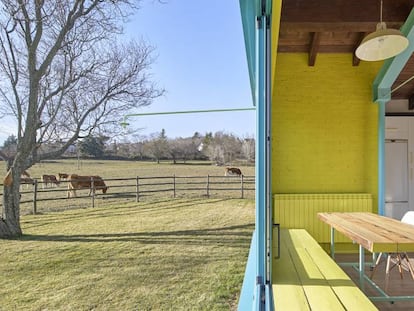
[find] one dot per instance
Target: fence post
(137, 196)
(34, 196)
(208, 186)
(242, 189)
(174, 185)
(93, 192)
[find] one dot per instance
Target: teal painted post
(381, 157)
(261, 150)
(260, 166)
(246, 294)
(269, 209)
(256, 291)
(269, 298)
(263, 189)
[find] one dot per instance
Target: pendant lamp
(382, 43)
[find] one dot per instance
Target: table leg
(361, 267)
(333, 242)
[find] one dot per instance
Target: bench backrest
(299, 211)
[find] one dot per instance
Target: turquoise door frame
(256, 293)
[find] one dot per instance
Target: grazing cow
(24, 178)
(62, 176)
(49, 180)
(92, 183)
(232, 171)
(8, 179)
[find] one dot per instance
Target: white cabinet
(397, 127)
(396, 210)
(399, 147)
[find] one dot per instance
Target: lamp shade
(381, 44)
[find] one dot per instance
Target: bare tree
(248, 149)
(63, 76)
(175, 149)
(223, 148)
(185, 148)
(138, 146)
(158, 146)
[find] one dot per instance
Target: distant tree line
(221, 148)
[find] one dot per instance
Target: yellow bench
(305, 277)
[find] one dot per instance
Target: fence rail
(37, 198)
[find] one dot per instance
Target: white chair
(408, 218)
(400, 260)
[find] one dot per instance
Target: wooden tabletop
(374, 232)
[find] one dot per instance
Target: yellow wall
(324, 125)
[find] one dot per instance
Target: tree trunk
(10, 218)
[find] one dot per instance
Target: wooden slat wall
(299, 211)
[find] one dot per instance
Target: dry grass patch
(166, 255)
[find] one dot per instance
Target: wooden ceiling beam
(322, 49)
(314, 47)
(288, 27)
(345, 10)
(355, 59)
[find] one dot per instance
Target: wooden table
(374, 233)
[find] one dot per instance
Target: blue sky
(201, 63)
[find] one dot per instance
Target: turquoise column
(260, 165)
(269, 203)
(263, 187)
(381, 157)
(382, 94)
(256, 293)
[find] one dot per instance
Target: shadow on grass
(114, 211)
(237, 236)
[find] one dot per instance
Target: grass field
(122, 191)
(160, 254)
(183, 254)
(115, 169)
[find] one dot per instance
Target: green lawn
(182, 254)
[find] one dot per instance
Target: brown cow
(62, 176)
(232, 171)
(49, 180)
(8, 179)
(24, 178)
(26, 181)
(77, 182)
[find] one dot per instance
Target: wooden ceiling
(338, 26)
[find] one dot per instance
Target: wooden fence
(36, 198)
